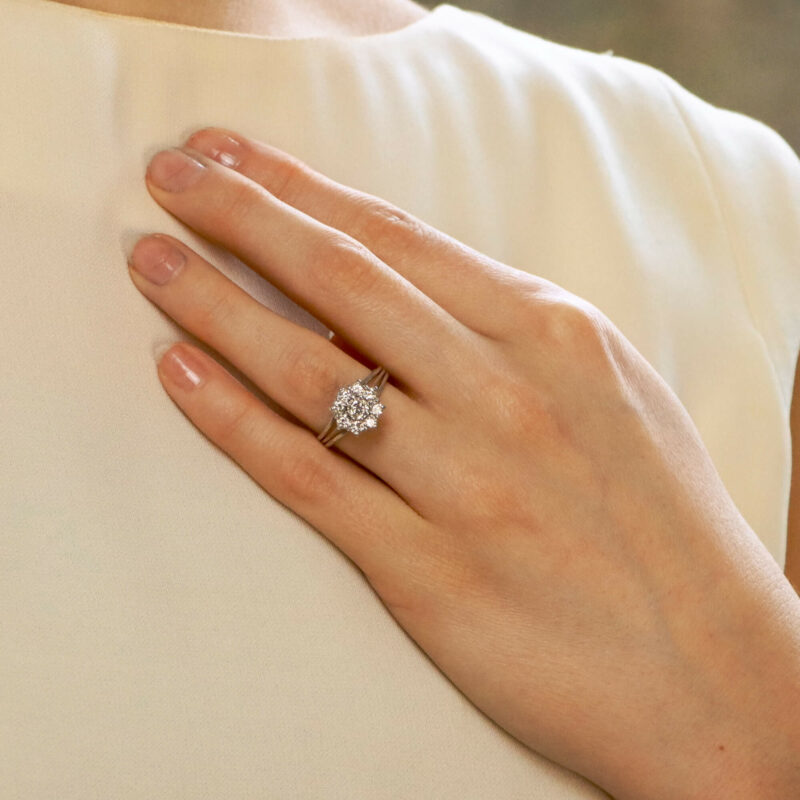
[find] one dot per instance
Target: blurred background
(738, 54)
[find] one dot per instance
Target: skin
(792, 567)
(536, 509)
(281, 18)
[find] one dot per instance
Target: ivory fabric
(167, 628)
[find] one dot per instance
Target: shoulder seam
(663, 82)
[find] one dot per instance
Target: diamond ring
(356, 408)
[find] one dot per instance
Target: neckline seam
(422, 23)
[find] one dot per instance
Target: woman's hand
(535, 507)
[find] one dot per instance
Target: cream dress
(167, 628)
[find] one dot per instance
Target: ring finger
(295, 366)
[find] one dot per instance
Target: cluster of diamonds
(356, 408)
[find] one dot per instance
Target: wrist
(732, 728)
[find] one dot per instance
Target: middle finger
(333, 275)
(298, 368)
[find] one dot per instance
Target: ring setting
(356, 408)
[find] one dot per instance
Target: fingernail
(173, 170)
(183, 368)
(156, 259)
(217, 145)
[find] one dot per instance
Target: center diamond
(356, 408)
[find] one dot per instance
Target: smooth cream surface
(170, 630)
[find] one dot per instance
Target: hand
(535, 507)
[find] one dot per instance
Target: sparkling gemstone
(356, 409)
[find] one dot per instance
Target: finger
(296, 367)
(457, 277)
(359, 513)
(332, 275)
(346, 347)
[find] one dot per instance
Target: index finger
(335, 277)
(457, 277)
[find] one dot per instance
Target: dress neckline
(77, 12)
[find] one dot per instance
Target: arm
(792, 569)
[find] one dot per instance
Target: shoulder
(572, 92)
(755, 175)
(635, 130)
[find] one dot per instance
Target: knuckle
(524, 305)
(310, 375)
(212, 313)
(342, 264)
(566, 326)
(234, 424)
(376, 221)
(573, 321)
(287, 176)
(307, 476)
(239, 203)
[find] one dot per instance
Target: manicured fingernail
(183, 368)
(157, 259)
(174, 170)
(217, 145)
